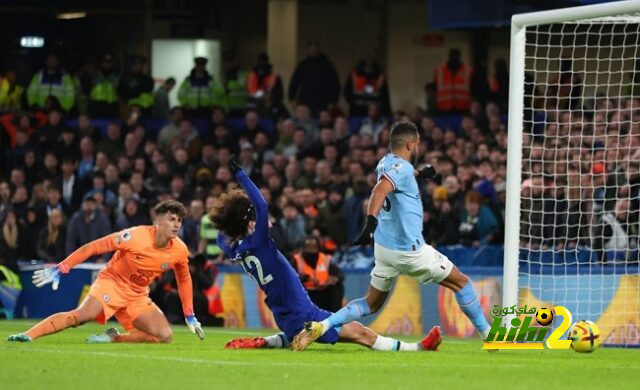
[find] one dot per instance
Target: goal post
(569, 69)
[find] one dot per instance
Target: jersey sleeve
(185, 286)
(261, 232)
(396, 173)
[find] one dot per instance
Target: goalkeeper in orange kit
(142, 253)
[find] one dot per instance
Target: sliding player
(142, 254)
(243, 223)
(399, 245)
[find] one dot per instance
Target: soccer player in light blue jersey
(394, 221)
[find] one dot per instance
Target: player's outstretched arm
(185, 290)
(378, 196)
(97, 247)
(258, 201)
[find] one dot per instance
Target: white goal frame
(519, 24)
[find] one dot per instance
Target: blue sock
(470, 305)
(354, 310)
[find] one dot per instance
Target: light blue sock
(354, 310)
(470, 305)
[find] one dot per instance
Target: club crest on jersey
(164, 265)
(124, 236)
(105, 297)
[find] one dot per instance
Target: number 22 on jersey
(250, 263)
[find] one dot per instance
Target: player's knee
(165, 335)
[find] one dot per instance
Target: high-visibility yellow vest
(64, 91)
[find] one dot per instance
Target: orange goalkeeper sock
(135, 336)
(53, 324)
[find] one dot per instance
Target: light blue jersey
(400, 219)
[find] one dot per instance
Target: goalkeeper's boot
(432, 340)
(247, 343)
(20, 337)
(311, 332)
(108, 336)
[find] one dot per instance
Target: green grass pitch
(64, 361)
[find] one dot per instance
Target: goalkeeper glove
(47, 275)
(194, 326)
(365, 236)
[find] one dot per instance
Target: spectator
(86, 225)
(13, 240)
(5, 196)
(478, 225)
(161, 106)
(302, 118)
(46, 136)
(611, 232)
(52, 238)
(135, 88)
(315, 81)
(374, 123)
(293, 225)
(367, 84)
(265, 89)
(51, 81)
(132, 215)
(208, 244)
(49, 170)
(453, 85)
(441, 220)
(86, 165)
(322, 279)
(189, 139)
(103, 99)
(20, 202)
(84, 79)
(112, 144)
(499, 84)
(10, 92)
(199, 91)
(332, 219)
(66, 144)
(235, 84)
(86, 129)
(190, 231)
(170, 131)
(565, 89)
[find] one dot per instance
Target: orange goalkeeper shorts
(118, 300)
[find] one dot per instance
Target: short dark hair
(400, 133)
(170, 206)
(232, 213)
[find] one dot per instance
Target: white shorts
(425, 265)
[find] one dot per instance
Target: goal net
(575, 174)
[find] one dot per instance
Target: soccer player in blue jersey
(394, 220)
(243, 223)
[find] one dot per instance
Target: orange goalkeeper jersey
(137, 262)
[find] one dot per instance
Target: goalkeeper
(142, 253)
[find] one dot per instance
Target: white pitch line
(244, 363)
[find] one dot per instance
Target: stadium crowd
(91, 152)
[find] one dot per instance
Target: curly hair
(231, 213)
(170, 206)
